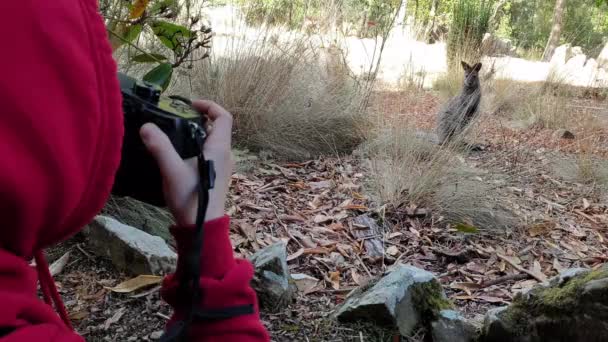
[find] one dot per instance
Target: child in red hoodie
(60, 142)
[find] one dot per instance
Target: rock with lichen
(451, 326)
(570, 307)
(406, 298)
(272, 280)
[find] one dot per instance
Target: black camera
(138, 175)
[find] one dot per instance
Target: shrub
(470, 21)
(286, 97)
(408, 168)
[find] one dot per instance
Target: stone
(405, 298)
(497, 47)
(130, 249)
(451, 326)
(560, 56)
(272, 281)
(570, 307)
(146, 217)
(156, 335)
(576, 64)
(563, 134)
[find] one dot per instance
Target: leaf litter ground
(322, 210)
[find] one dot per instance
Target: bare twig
(521, 269)
(505, 279)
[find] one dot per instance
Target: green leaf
(171, 35)
(148, 58)
(132, 32)
(160, 6)
(123, 33)
(465, 228)
(160, 75)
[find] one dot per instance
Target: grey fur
(460, 110)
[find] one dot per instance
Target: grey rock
(405, 298)
(156, 335)
(143, 216)
(272, 280)
(130, 249)
(570, 307)
(451, 326)
(566, 275)
(497, 47)
(563, 134)
(560, 56)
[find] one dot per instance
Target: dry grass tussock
(286, 96)
(408, 169)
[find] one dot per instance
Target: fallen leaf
(536, 269)
(466, 287)
(414, 231)
(317, 250)
(79, 315)
(320, 185)
(357, 278)
(394, 235)
(491, 299)
(292, 218)
(336, 226)
(557, 266)
(466, 228)
(304, 282)
(392, 251)
(246, 229)
(334, 277)
(295, 255)
(115, 318)
(57, 266)
(136, 283)
(322, 219)
(356, 207)
(541, 228)
(586, 204)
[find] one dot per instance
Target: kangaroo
(460, 110)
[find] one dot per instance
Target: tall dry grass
(409, 168)
(288, 95)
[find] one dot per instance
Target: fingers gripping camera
(138, 175)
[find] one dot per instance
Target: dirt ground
(562, 223)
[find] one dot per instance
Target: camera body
(138, 175)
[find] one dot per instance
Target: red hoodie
(60, 138)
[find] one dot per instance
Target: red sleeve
(24, 317)
(224, 281)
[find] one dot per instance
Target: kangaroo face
(471, 76)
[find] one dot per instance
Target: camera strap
(190, 277)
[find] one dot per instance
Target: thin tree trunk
(433, 17)
(402, 14)
(496, 14)
(556, 31)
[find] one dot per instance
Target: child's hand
(180, 177)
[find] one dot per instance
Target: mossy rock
(406, 298)
(571, 307)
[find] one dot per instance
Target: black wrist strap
(189, 282)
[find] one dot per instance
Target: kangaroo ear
(477, 67)
(465, 66)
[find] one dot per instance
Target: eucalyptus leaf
(465, 228)
(160, 75)
(132, 32)
(171, 35)
(148, 58)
